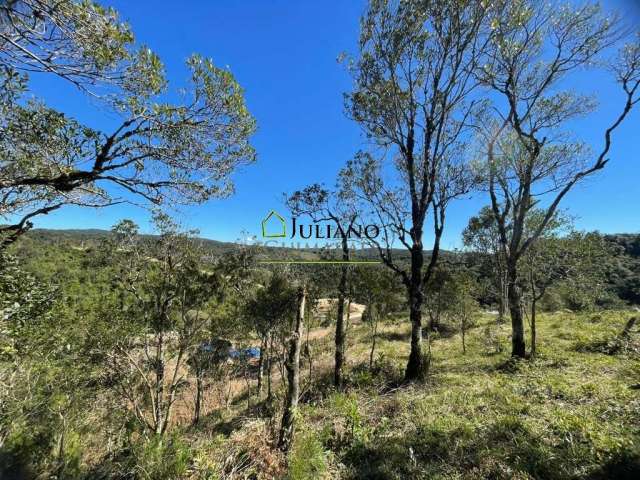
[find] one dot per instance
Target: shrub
(307, 459)
(160, 458)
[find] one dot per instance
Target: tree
(413, 96)
(206, 359)
(438, 296)
(481, 236)
(381, 293)
(270, 309)
(452, 299)
(463, 305)
(25, 308)
(576, 258)
(167, 294)
(182, 152)
(320, 205)
(531, 157)
(209, 351)
(46, 381)
(81, 42)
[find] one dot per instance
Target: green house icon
(274, 225)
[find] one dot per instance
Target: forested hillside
(621, 268)
(572, 412)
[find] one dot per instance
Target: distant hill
(622, 277)
(90, 237)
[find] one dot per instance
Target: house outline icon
(283, 227)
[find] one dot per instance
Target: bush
(307, 459)
(160, 458)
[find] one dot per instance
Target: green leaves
(25, 304)
(180, 152)
(77, 40)
(144, 78)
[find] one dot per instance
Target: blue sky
(283, 53)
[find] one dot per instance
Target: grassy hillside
(572, 413)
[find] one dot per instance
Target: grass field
(572, 412)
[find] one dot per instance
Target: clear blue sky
(283, 52)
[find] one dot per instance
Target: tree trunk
(293, 377)
(415, 366)
(502, 297)
(309, 352)
(198, 403)
(159, 386)
(373, 341)
(463, 330)
(269, 369)
(261, 365)
(533, 326)
(518, 348)
(434, 315)
(340, 330)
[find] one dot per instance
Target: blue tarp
(251, 352)
(247, 353)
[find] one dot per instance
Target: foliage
(567, 414)
(530, 153)
(113, 348)
(412, 95)
(307, 459)
(160, 151)
(44, 387)
(160, 458)
(165, 293)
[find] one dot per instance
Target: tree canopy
(160, 150)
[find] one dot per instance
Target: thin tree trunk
(282, 360)
(340, 328)
(463, 331)
(261, 365)
(502, 297)
(307, 349)
(373, 341)
(159, 370)
(293, 377)
(534, 300)
(269, 369)
(435, 323)
(533, 326)
(228, 392)
(198, 403)
(518, 348)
